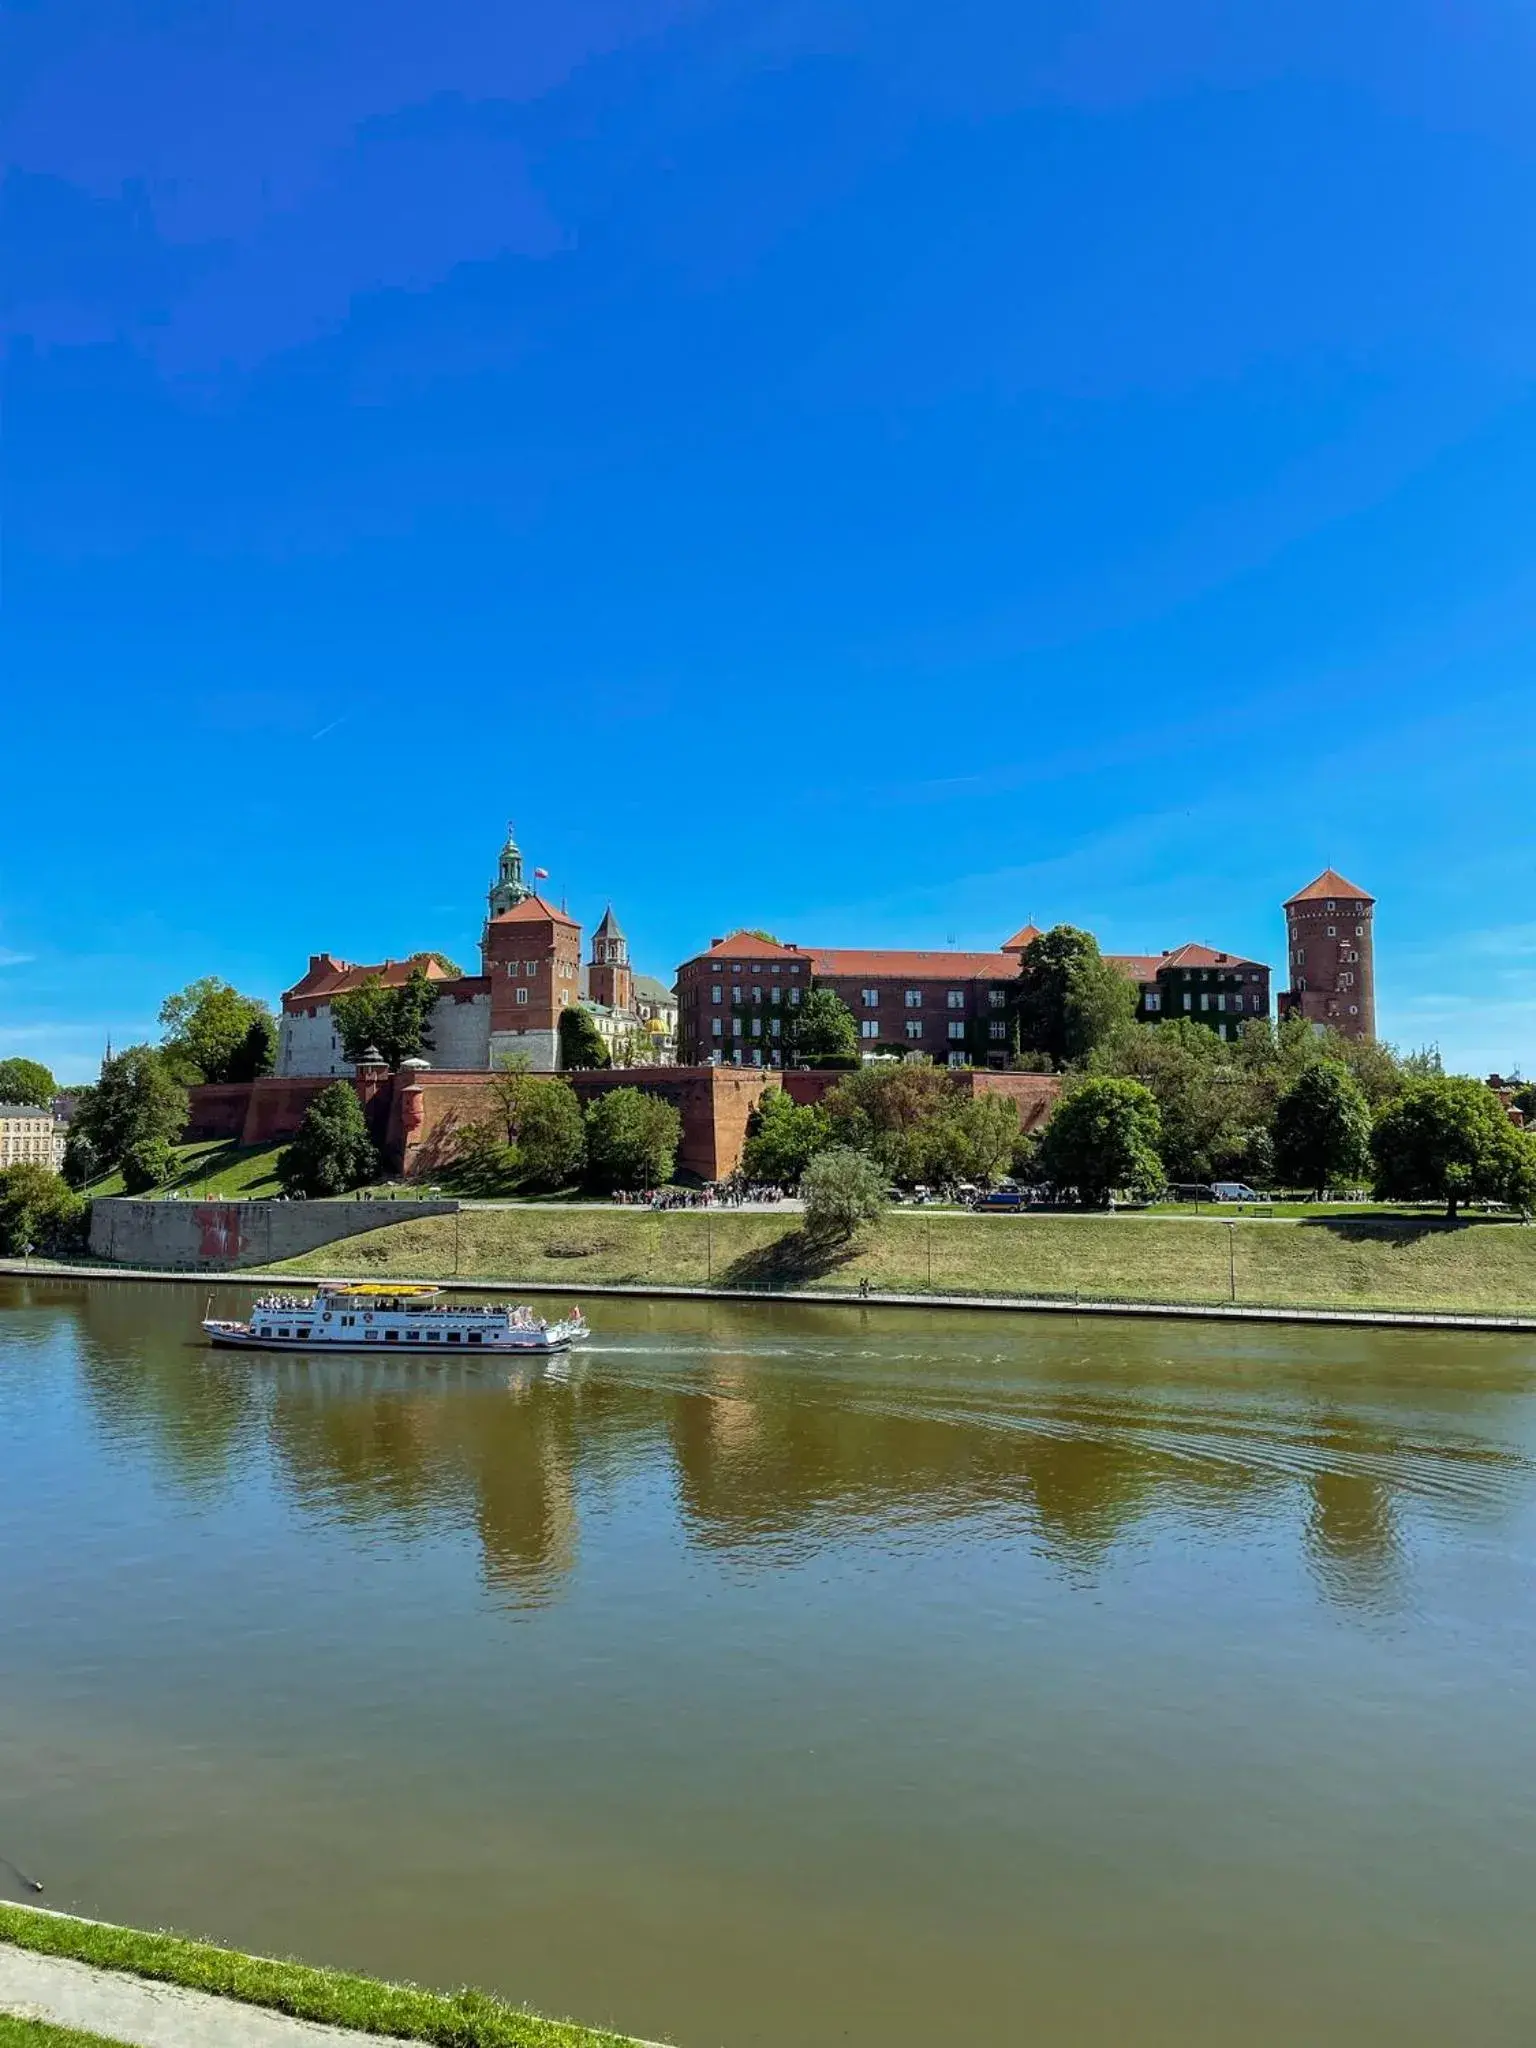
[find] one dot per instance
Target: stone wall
(221, 1235)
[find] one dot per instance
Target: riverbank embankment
(1352, 1265)
(165, 1991)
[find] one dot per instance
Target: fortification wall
(221, 1235)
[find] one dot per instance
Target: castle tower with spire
(1330, 956)
(509, 889)
(609, 980)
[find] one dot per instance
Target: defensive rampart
(220, 1235)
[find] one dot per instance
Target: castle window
(717, 1027)
(871, 998)
(957, 1059)
(1332, 931)
(869, 1027)
(530, 967)
(757, 995)
(774, 1027)
(1189, 1001)
(511, 967)
(1331, 904)
(957, 999)
(776, 995)
(714, 993)
(774, 968)
(997, 997)
(957, 1031)
(794, 967)
(914, 999)
(1359, 931)
(1152, 1000)
(757, 1027)
(522, 995)
(1354, 1009)
(757, 966)
(914, 1031)
(997, 1031)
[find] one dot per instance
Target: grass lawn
(213, 1166)
(1333, 1262)
(15, 2033)
(461, 2019)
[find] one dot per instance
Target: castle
(530, 971)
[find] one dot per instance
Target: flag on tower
(541, 874)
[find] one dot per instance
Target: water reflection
(781, 1429)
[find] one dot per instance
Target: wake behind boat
(374, 1316)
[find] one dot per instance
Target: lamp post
(1232, 1262)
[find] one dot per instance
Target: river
(787, 1675)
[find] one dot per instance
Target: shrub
(843, 1189)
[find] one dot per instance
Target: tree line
(535, 1138)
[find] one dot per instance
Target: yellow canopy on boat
(377, 1287)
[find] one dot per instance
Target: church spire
(509, 889)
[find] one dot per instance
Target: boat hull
(233, 1339)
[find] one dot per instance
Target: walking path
(151, 2015)
(1200, 1311)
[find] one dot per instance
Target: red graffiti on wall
(222, 1234)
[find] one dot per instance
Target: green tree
(148, 1163)
(1069, 1000)
(783, 1137)
(394, 1022)
(1102, 1136)
(1322, 1128)
(1215, 1100)
(987, 1133)
(843, 1189)
(27, 1082)
(40, 1210)
(581, 1043)
(890, 1113)
(331, 1150)
(549, 1134)
(213, 1033)
(1449, 1140)
(632, 1139)
(820, 1032)
(136, 1100)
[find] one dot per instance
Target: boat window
(391, 1336)
(302, 1333)
(474, 1336)
(265, 1330)
(453, 1336)
(433, 1336)
(371, 1335)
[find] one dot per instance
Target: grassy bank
(462, 2019)
(17, 2033)
(1323, 1263)
(211, 1167)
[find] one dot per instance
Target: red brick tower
(1329, 956)
(531, 956)
(609, 980)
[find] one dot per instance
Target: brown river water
(804, 1676)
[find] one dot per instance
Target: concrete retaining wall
(223, 1234)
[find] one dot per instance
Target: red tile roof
(534, 910)
(1026, 935)
(328, 976)
(748, 946)
(1329, 883)
(1137, 966)
(1192, 955)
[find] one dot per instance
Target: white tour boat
(370, 1316)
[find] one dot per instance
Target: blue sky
(875, 471)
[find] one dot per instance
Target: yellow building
(32, 1134)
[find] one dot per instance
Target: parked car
(1000, 1198)
(1234, 1191)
